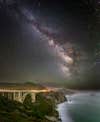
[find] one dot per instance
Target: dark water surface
(81, 107)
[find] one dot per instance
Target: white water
(63, 113)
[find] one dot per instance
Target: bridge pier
(33, 97)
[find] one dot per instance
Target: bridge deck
(34, 91)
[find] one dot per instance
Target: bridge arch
(28, 93)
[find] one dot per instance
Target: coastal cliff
(57, 97)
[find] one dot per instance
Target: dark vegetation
(13, 111)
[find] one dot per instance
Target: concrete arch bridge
(19, 95)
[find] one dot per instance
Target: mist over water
(82, 107)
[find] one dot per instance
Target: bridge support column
(9, 96)
(33, 95)
(14, 98)
(19, 96)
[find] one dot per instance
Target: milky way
(45, 41)
(58, 49)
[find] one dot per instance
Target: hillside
(19, 86)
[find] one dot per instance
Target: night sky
(50, 42)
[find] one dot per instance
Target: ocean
(81, 107)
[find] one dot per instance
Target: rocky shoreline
(57, 97)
